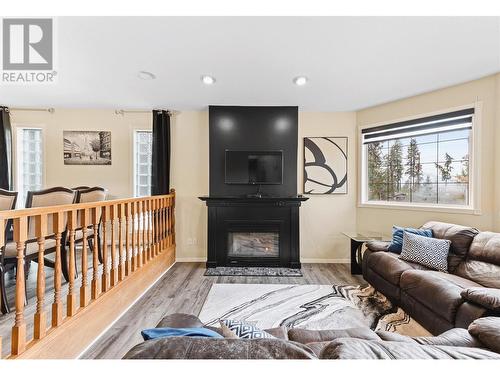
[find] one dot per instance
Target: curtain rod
(50, 110)
(123, 111)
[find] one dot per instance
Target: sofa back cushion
(461, 238)
(483, 260)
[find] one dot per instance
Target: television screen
(254, 167)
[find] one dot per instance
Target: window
(142, 162)
(424, 161)
(29, 162)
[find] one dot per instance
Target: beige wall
(324, 218)
(482, 91)
(117, 177)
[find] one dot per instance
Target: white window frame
(16, 161)
(134, 151)
(474, 206)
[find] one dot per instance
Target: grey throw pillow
(429, 252)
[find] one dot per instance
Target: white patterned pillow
(244, 330)
(429, 252)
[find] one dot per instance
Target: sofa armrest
(487, 330)
(180, 320)
(489, 298)
(375, 246)
(453, 337)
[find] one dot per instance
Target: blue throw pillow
(155, 333)
(397, 237)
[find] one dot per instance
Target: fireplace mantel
(241, 214)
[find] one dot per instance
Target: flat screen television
(254, 167)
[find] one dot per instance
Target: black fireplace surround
(231, 211)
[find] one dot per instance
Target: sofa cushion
(486, 274)
(486, 248)
(486, 297)
(206, 348)
(429, 252)
(438, 291)
(460, 236)
(389, 266)
(350, 348)
(487, 330)
(306, 336)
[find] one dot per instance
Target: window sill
(422, 207)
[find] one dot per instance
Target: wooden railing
(132, 233)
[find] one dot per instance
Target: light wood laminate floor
(184, 289)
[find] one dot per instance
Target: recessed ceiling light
(147, 76)
(208, 80)
(300, 81)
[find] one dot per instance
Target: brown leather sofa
(481, 341)
(437, 300)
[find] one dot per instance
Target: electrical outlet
(192, 241)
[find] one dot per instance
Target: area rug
(307, 306)
(253, 271)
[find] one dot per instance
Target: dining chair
(93, 194)
(8, 201)
(49, 197)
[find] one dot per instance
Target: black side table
(357, 241)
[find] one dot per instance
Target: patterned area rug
(253, 271)
(307, 306)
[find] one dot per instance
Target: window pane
(428, 152)
(453, 172)
(142, 168)
(457, 134)
(377, 192)
(424, 193)
(452, 193)
(457, 150)
(429, 138)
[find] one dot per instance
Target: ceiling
(351, 62)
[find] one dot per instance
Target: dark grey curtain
(5, 149)
(160, 174)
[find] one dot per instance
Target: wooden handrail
(124, 234)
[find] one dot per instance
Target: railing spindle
(96, 280)
(129, 253)
(121, 268)
(71, 305)
(84, 289)
(150, 244)
(114, 270)
(140, 245)
(40, 318)
(145, 249)
(134, 256)
(105, 270)
(19, 329)
(155, 225)
(57, 312)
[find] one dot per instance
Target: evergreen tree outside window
(423, 161)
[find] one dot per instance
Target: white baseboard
(191, 260)
(318, 260)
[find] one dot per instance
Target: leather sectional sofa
(441, 301)
(481, 341)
